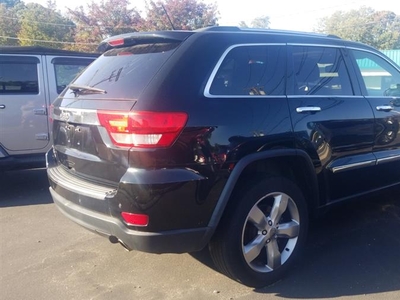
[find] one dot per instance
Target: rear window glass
(320, 71)
(124, 72)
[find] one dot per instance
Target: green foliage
(380, 29)
(9, 22)
(183, 14)
(84, 27)
(40, 26)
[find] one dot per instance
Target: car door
(23, 121)
(331, 120)
(380, 84)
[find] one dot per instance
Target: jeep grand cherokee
(173, 141)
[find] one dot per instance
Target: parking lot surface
(353, 253)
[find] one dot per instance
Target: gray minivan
(30, 79)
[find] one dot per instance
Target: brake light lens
(117, 42)
(143, 129)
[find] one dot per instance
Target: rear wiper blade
(85, 89)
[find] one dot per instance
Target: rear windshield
(123, 73)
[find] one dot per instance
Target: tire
(261, 233)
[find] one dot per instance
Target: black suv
(176, 140)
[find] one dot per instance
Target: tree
(259, 23)
(179, 15)
(101, 20)
(380, 29)
(10, 12)
(9, 25)
(44, 27)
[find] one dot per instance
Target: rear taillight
(143, 129)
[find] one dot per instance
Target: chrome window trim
(207, 93)
(245, 96)
(325, 96)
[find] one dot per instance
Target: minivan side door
(380, 84)
(331, 120)
(23, 119)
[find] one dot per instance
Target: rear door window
(124, 72)
(250, 70)
(320, 71)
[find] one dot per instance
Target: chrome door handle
(384, 108)
(308, 109)
(2, 106)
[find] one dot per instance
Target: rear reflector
(135, 219)
(143, 129)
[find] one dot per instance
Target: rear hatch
(94, 125)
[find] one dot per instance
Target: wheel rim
(270, 232)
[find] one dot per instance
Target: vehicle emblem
(64, 116)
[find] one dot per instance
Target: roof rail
(218, 28)
(260, 30)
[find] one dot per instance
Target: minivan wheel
(261, 233)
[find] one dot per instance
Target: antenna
(172, 25)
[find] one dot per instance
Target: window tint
(251, 70)
(125, 72)
(380, 77)
(65, 73)
(18, 78)
(320, 71)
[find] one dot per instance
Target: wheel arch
(293, 164)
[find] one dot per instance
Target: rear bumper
(175, 241)
(91, 205)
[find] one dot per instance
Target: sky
(299, 15)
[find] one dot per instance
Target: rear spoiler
(137, 38)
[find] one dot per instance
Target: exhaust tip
(113, 239)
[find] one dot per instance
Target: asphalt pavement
(352, 253)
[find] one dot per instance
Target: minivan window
(124, 72)
(379, 76)
(253, 70)
(19, 78)
(320, 71)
